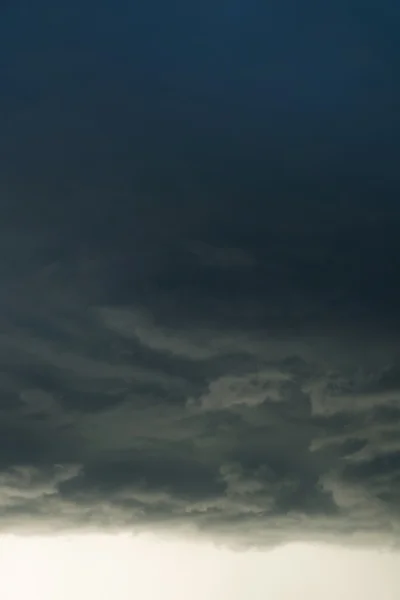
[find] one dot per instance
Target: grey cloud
(169, 439)
(139, 325)
(199, 312)
(23, 484)
(251, 389)
(233, 432)
(357, 392)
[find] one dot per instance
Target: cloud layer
(231, 423)
(198, 317)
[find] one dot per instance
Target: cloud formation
(121, 416)
(198, 323)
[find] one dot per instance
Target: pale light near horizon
(100, 567)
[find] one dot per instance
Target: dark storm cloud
(199, 274)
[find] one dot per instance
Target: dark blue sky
(263, 91)
(129, 123)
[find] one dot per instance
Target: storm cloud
(199, 308)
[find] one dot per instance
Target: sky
(199, 301)
(100, 567)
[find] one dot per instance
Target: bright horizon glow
(100, 567)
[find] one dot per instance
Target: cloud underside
(226, 422)
(199, 269)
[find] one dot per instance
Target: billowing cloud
(227, 429)
(199, 309)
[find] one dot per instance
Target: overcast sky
(199, 259)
